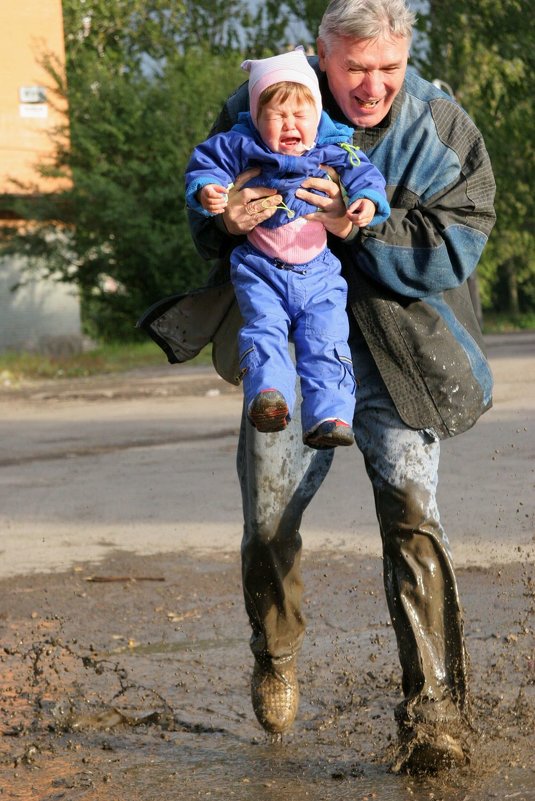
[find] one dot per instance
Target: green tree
(143, 86)
(484, 50)
(144, 82)
(146, 78)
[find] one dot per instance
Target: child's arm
(361, 212)
(214, 163)
(362, 180)
(213, 198)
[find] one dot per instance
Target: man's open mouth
(367, 103)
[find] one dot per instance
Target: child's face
(288, 127)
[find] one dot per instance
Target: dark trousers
(279, 477)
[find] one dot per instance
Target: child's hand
(213, 198)
(361, 212)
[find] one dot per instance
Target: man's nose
(372, 83)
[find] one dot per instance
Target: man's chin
(368, 117)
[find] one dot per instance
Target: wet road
(130, 690)
(146, 463)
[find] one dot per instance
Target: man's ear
(320, 47)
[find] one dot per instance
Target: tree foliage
(141, 93)
(484, 50)
(146, 78)
(310, 13)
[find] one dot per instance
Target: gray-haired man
(419, 363)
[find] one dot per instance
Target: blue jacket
(224, 156)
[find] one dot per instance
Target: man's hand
(332, 211)
(250, 206)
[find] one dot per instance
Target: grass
(119, 357)
(496, 323)
(111, 358)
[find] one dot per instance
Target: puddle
(138, 691)
(201, 646)
(220, 769)
(245, 772)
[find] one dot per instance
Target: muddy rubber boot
(432, 736)
(268, 411)
(275, 696)
(429, 750)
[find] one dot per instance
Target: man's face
(365, 75)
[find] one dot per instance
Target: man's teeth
(368, 103)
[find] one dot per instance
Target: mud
(129, 679)
(124, 661)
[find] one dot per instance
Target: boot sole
(333, 439)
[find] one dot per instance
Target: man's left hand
(331, 207)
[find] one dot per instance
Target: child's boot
(268, 411)
(329, 434)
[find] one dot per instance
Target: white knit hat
(292, 66)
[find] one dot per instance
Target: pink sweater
(296, 242)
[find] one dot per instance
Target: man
(418, 361)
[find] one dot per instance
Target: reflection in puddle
(248, 772)
(175, 647)
(185, 767)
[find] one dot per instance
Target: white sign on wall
(32, 94)
(33, 110)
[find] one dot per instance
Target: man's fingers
(252, 193)
(329, 188)
(243, 177)
(262, 204)
(331, 172)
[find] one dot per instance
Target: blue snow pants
(305, 303)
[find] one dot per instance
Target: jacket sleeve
(363, 179)
(441, 216)
(215, 161)
(209, 234)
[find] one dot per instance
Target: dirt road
(125, 663)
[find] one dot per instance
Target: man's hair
(284, 90)
(366, 19)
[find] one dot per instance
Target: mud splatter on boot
(433, 736)
(275, 696)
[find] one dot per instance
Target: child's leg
(322, 353)
(261, 291)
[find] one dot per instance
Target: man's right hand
(250, 206)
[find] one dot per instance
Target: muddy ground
(123, 689)
(124, 674)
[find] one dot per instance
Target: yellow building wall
(29, 30)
